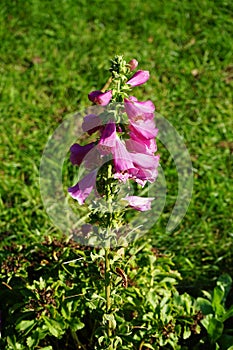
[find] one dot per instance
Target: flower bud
(139, 78)
(100, 98)
(133, 64)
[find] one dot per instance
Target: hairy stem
(108, 287)
(107, 252)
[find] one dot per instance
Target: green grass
(53, 53)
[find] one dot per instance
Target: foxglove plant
(123, 152)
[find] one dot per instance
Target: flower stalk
(123, 152)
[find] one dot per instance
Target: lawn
(52, 54)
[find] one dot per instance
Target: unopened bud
(133, 64)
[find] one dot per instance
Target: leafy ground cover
(52, 55)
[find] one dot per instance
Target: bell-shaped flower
(78, 152)
(122, 158)
(100, 98)
(137, 110)
(144, 175)
(91, 123)
(139, 203)
(140, 144)
(145, 129)
(146, 165)
(84, 187)
(139, 78)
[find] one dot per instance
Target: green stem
(77, 342)
(107, 252)
(108, 288)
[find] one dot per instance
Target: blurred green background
(53, 53)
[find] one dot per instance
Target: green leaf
(205, 306)
(110, 318)
(76, 324)
(56, 328)
(227, 314)
(149, 346)
(187, 333)
(225, 281)
(217, 299)
(31, 341)
(213, 326)
(25, 325)
(12, 342)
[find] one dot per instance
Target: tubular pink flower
(91, 123)
(122, 158)
(141, 145)
(145, 175)
(144, 129)
(78, 152)
(108, 139)
(137, 110)
(145, 161)
(146, 165)
(84, 187)
(139, 203)
(100, 98)
(139, 78)
(133, 64)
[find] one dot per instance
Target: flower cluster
(126, 136)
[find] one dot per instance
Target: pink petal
(137, 110)
(140, 145)
(108, 139)
(78, 152)
(139, 78)
(145, 161)
(145, 129)
(139, 203)
(91, 123)
(84, 187)
(100, 98)
(122, 158)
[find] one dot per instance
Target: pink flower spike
(100, 98)
(139, 78)
(133, 64)
(84, 187)
(139, 203)
(91, 123)
(78, 152)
